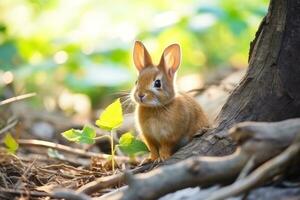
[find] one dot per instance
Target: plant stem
(103, 136)
(112, 150)
(111, 138)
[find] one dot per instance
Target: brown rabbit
(164, 117)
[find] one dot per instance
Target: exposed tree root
(110, 181)
(70, 195)
(265, 172)
(261, 141)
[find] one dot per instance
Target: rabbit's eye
(135, 82)
(157, 84)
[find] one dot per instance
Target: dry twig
(17, 98)
(24, 175)
(110, 181)
(67, 149)
(23, 193)
(9, 126)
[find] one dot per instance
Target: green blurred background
(73, 53)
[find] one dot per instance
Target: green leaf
(131, 146)
(111, 117)
(87, 136)
(11, 144)
(126, 139)
(72, 135)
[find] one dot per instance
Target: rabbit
(165, 117)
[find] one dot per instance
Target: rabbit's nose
(141, 96)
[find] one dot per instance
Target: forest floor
(45, 162)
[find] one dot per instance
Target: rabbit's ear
(170, 59)
(141, 56)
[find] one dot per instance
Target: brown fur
(164, 117)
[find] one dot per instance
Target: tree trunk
(270, 90)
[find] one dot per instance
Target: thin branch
(261, 174)
(102, 183)
(67, 149)
(3, 180)
(103, 136)
(8, 127)
(110, 181)
(17, 98)
(84, 162)
(23, 193)
(24, 175)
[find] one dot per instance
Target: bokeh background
(76, 53)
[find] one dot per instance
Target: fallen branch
(23, 193)
(110, 181)
(84, 162)
(102, 183)
(70, 195)
(8, 127)
(17, 98)
(67, 149)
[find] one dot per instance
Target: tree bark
(270, 90)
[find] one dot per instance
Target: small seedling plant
(110, 120)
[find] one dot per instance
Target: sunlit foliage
(56, 47)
